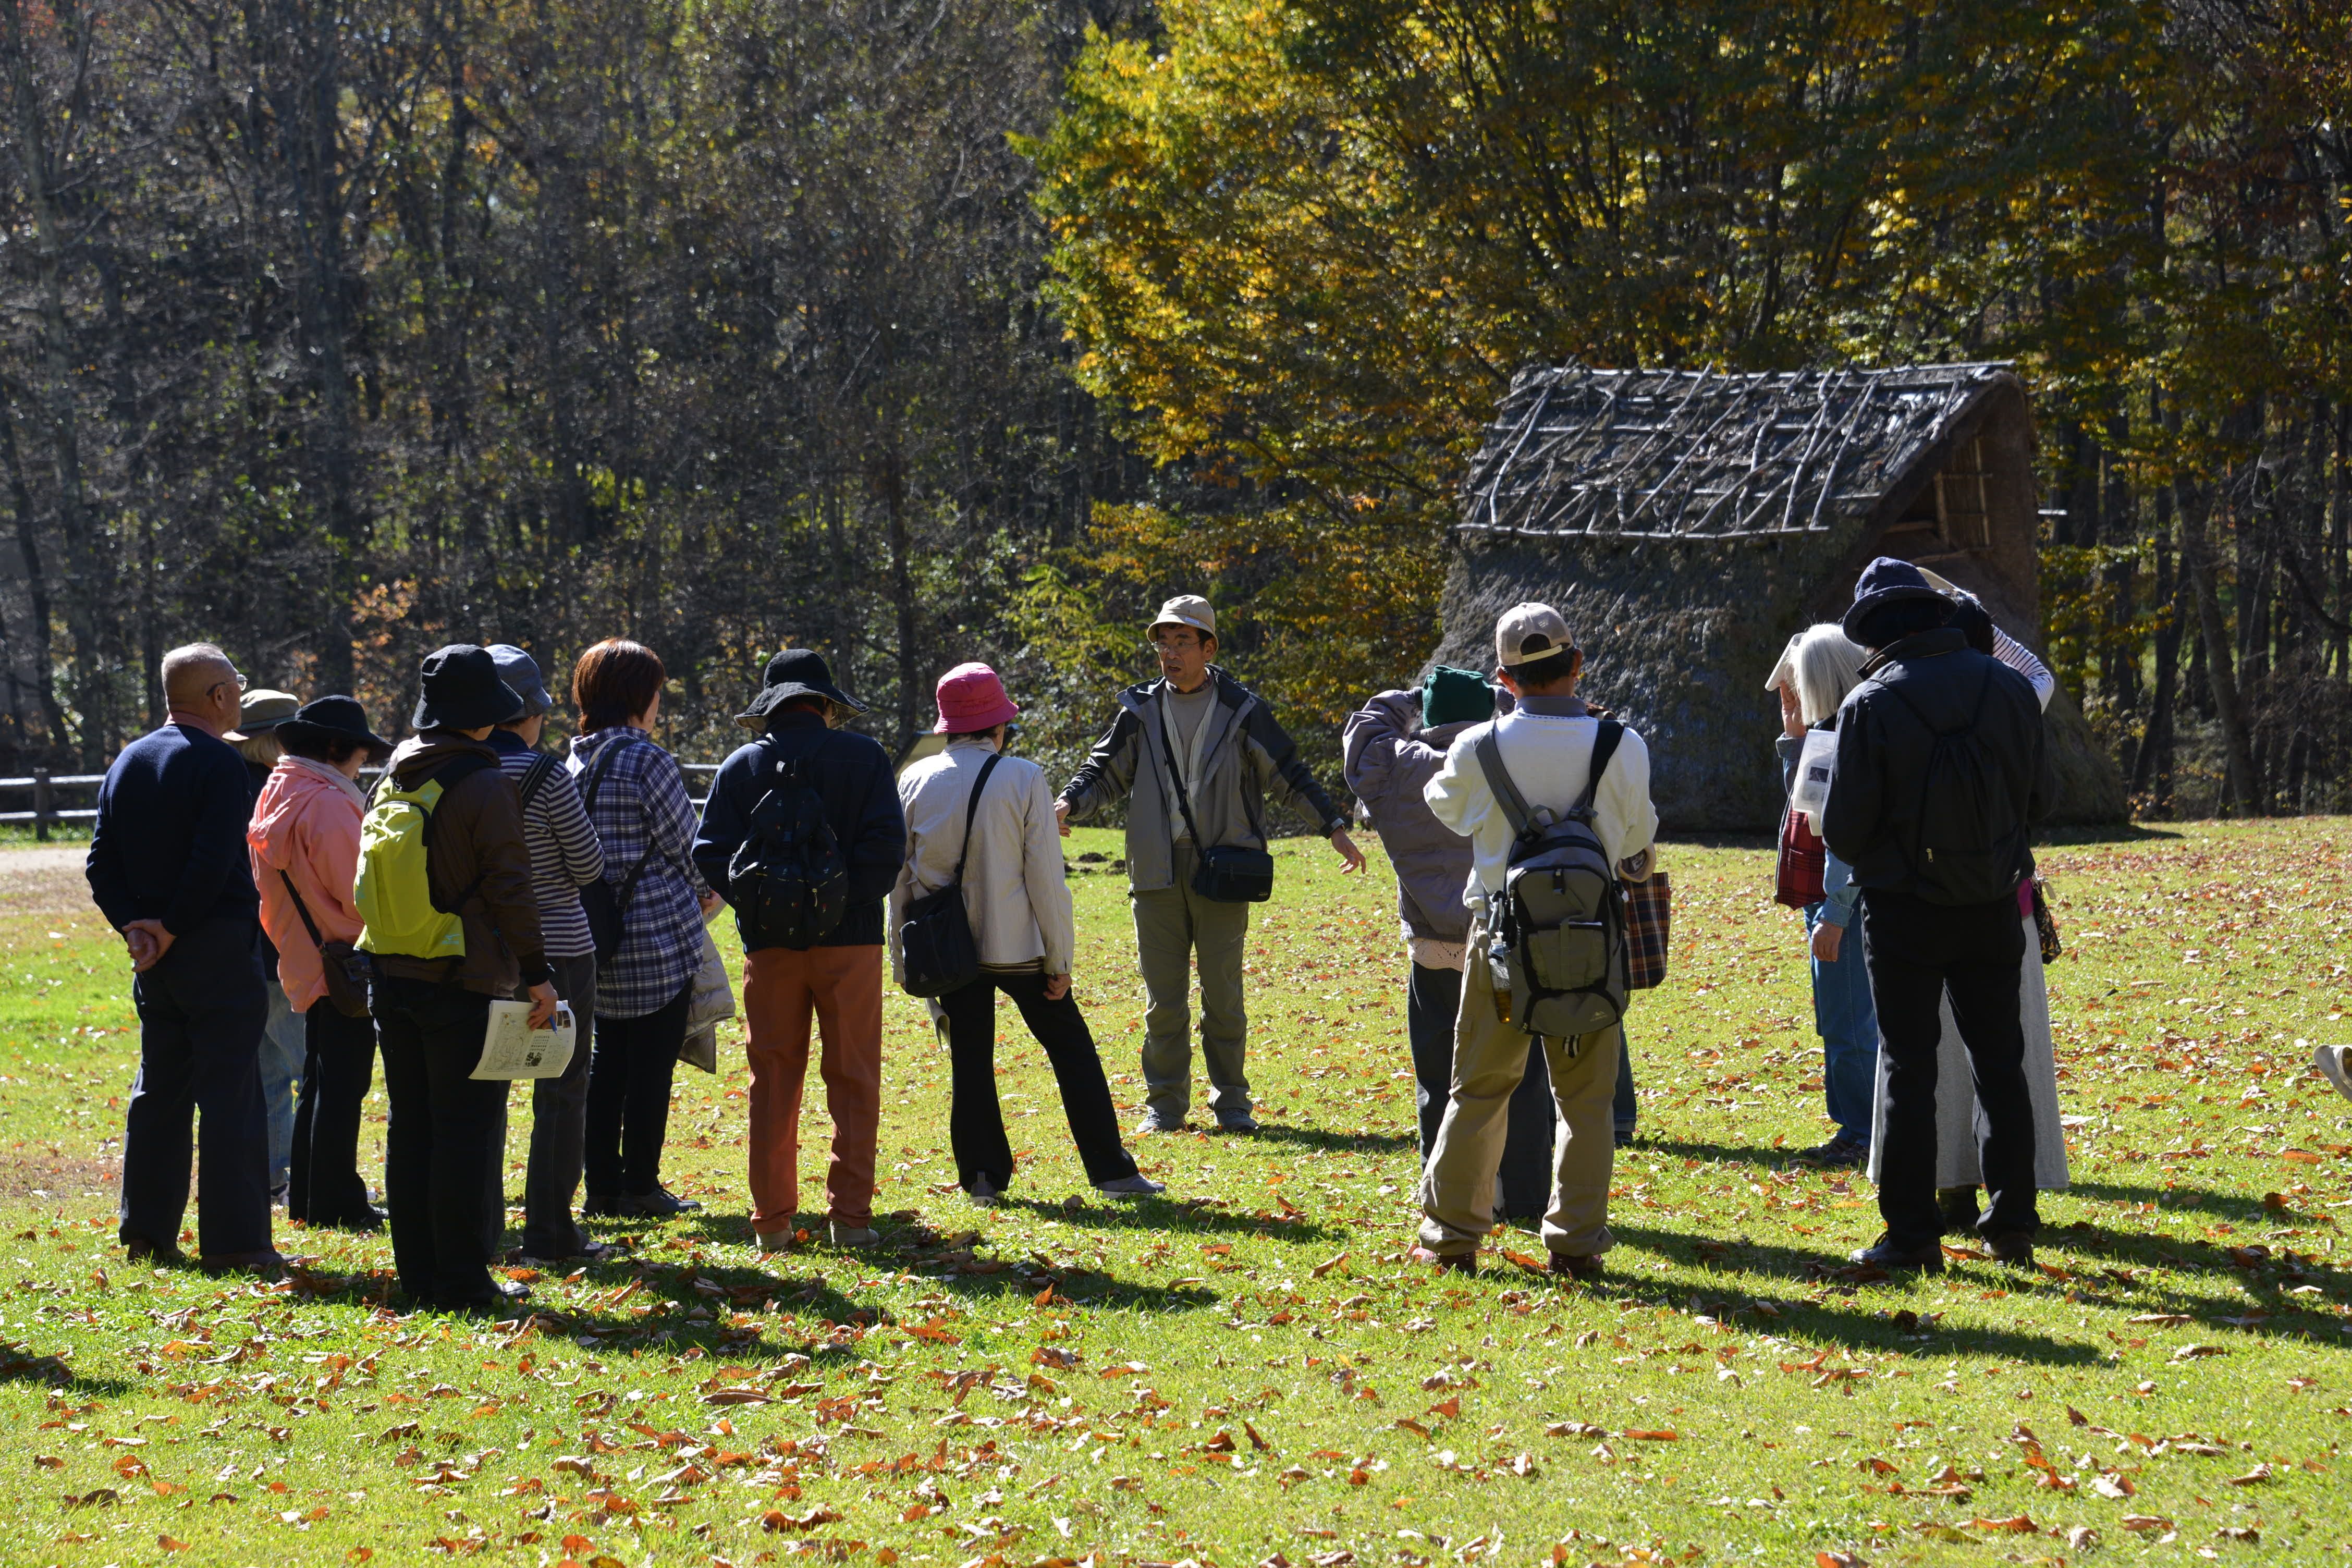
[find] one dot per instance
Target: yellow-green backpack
(395, 890)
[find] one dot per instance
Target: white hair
(1828, 665)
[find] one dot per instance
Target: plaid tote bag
(1649, 926)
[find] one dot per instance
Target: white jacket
(1014, 889)
(1549, 758)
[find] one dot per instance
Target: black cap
(335, 719)
(462, 691)
(795, 672)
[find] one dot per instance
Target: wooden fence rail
(44, 785)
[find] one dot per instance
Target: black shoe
(660, 1204)
(1927, 1259)
(1624, 1137)
(1587, 1265)
(586, 1252)
(509, 1297)
(265, 1264)
(1959, 1207)
(601, 1205)
(155, 1254)
(1838, 1153)
(2014, 1247)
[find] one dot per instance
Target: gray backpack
(1559, 948)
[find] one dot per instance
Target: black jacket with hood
(1884, 751)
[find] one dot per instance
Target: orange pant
(842, 987)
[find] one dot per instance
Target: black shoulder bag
(345, 966)
(939, 954)
(1227, 873)
(603, 904)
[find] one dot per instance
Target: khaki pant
(1490, 1057)
(840, 989)
(1172, 925)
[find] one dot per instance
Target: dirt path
(44, 881)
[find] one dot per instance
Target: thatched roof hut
(1687, 523)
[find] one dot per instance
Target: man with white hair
(168, 868)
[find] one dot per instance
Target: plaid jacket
(642, 810)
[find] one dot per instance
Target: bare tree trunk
(2220, 668)
(77, 521)
(307, 104)
(36, 583)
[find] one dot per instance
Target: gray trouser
(284, 1048)
(1173, 925)
(559, 1132)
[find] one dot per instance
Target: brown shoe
(266, 1264)
(1585, 1266)
(1445, 1262)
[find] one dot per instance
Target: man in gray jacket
(1227, 753)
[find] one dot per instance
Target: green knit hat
(1454, 696)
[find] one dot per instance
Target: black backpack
(1559, 947)
(789, 880)
(1970, 840)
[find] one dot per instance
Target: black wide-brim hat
(1885, 581)
(795, 672)
(335, 719)
(462, 691)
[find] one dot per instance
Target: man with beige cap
(1546, 744)
(1194, 754)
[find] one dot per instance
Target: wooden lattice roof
(1705, 455)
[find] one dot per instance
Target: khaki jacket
(1245, 758)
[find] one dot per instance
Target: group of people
(254, 882)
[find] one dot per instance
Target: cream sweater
(1014, 889)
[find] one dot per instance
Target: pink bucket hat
(972, 697)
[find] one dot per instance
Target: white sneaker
(982, 1192)
(2329, 1060)
(1154, 1122)
(1136, 1187)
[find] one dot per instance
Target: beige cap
(260, 710)
(1187, 610)
(1531, 632)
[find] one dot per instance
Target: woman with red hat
(975, 814)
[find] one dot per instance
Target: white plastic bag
(1810, 791)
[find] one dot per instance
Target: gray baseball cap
(520, 671)
(1529, 632)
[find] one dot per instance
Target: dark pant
(558, 1125)
(975, 1121)
(323, 1184)
(441, 1126)
(1523, 1182)
(201, 1011)
(628, 1097)
(1916, 951)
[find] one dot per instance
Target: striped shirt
(2019, 657)
(642, 811)
(564, 854)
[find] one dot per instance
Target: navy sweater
(170, 841)
(861, 803)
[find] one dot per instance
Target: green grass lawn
(1247, 1371)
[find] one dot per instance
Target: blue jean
(285, 1043)
(1847, 1022)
